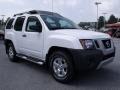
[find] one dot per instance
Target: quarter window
(9, 24)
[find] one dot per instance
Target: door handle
(24, 35)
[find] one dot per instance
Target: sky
(76, 10)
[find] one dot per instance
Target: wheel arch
(56, 48)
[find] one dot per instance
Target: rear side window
(9, 24)
(19, 23)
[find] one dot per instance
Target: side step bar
(34, 60)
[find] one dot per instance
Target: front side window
(9, 24)
(19, 23)
(57, 22)
(32, 22)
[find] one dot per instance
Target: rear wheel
(61, 66)
(1, 37)
(11, 52)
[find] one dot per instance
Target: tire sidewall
(70, 71)
(14, 56)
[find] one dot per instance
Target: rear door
(18, 31)
(9, 27)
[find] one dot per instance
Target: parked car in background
(117, 34)
(108, 31)
(1, 34)
(113, 29)
(113, 32)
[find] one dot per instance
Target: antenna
(52, 6)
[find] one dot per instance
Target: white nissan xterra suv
(48, 38)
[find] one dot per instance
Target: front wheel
(61, 66)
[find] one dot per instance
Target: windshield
(58, 22)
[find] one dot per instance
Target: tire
(1, 37)
(11, 53)
(61, 67)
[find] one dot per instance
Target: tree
(112, 19)
(101, 22)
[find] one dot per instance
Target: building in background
(88, 25)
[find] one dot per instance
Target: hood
(82, 34)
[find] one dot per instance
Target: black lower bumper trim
(109, 56)
(88, 59)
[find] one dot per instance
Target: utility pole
(52, 5)
(97, 4)
(104, 14)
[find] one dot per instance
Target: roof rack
(38, 12)
(29, 12)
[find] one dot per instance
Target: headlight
(87, 44)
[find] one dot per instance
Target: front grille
(96, 43)
(106, 43)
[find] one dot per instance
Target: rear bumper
(90, 59)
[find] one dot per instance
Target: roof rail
(38, 12)
(29, 12)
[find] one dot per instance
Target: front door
(32, 39)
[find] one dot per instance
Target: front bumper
(90, 59)
(105, 62)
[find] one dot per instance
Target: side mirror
(37, 28)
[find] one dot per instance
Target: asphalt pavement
(28, 76)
